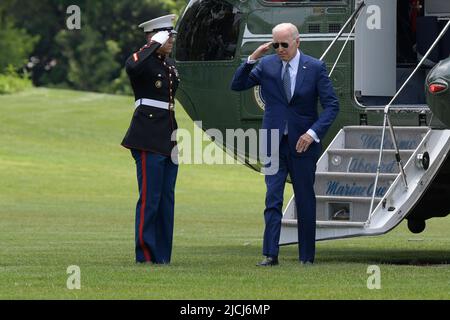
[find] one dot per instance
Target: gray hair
(286, 26)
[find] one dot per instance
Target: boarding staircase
(368, 180)
(346, 176)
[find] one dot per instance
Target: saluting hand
(303, 143)
(260, 51)
(161, 37)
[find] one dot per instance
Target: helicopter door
(375, 49)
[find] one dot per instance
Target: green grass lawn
(67, 196)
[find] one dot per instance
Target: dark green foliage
(11, 82)
(15, 45)
(91, 58)
(91, 62)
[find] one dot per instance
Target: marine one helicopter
(386, 156)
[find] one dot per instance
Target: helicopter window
(209, 31)
(314, 28)
(311, 2)
(334, 27)
(303, 0)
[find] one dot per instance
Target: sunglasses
(276, 45)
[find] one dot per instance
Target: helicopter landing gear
(416, 226)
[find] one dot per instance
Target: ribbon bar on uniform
(153, 103)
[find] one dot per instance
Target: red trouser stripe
(143, 204)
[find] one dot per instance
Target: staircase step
(350, 209)
(339, 198)
(324, 224)
(364, 161)
(352, 184)
(369, 137)
(400, 108)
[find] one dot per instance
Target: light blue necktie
(287, 89)
(287, 82)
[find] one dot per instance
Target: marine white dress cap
(159, 24)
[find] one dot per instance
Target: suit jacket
(301, 112)
(155, 77)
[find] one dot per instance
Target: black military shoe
(306, 263)
(268, 262)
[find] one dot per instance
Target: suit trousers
(302, 172)
(156, 176)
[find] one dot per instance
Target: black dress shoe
(268, 262)
(306, 263)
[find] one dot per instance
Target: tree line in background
(36, 45)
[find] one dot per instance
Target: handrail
(419, 65)
(362, 4)
(343, 47)
(387, 121)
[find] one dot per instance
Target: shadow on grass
(407, 257)
(324, 256)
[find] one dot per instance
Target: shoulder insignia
(135, 57)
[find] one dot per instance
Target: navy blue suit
(299, 114)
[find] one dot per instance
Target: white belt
(154, 103)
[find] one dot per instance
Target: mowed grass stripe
(67, 196)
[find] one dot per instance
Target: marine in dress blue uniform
(154, 80)
(291, 83)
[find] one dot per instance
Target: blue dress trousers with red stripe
(156, 175)
(149, 137)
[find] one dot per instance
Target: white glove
(161, 37)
